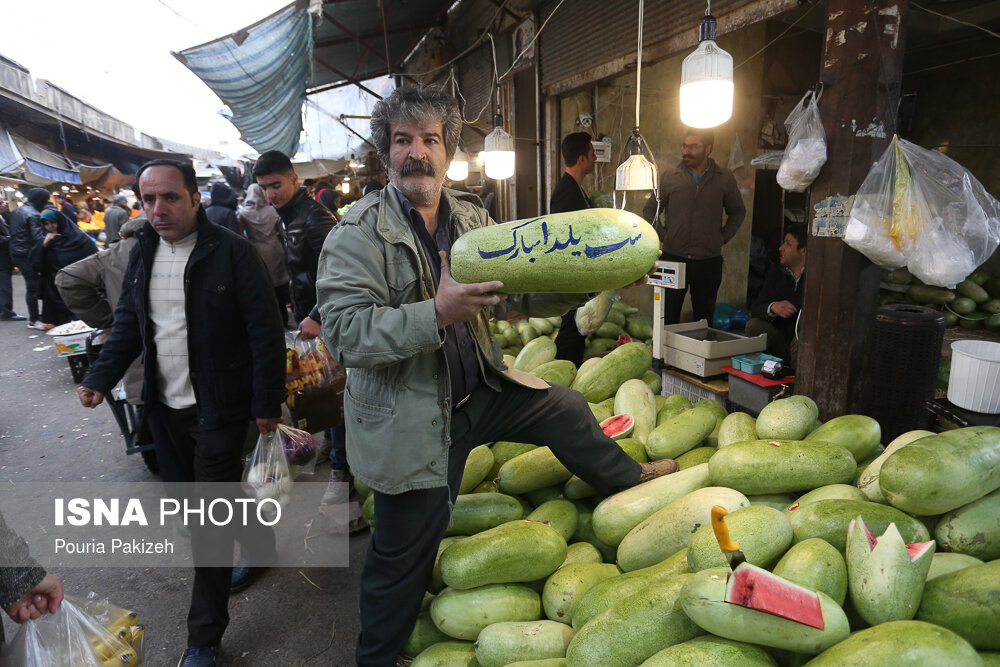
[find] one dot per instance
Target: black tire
(149, 456)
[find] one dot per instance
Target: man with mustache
(427, 381)
(692, 200)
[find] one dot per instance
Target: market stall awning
(264, 71)
(260, 72)
(40, 166)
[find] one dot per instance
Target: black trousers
(570, 342)
(6, 293)
(703, 277)
(409, 526)
(210, 456)
(31, 285)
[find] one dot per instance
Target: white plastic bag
(82, 633)
(920, 209)
(267, 475)
(805, 153)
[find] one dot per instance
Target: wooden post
(860, 71)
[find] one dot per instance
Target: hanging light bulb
(353, 164)
(498, 153)
(636, 173)
(345, 187)
(458, 170)
(707, 80)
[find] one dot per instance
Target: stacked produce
(610, 326)
(899, 546)
(973, 304)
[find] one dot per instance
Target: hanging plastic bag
(592, 314)
(267, 474)
(300, 450)
(805, 153)
(735, 154)
(89, 632)
(314, 383)
(920, 209)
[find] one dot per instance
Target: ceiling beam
(372, 34)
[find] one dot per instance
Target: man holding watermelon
(427, 382)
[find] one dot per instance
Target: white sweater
(166, 310)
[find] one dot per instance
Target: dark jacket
(6, 264)
(222, 209)
(25, 229)
(307, 222)
(236, 343)
(690, 222)
(779, 285)
(568, 196)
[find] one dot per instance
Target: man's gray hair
(422, 104)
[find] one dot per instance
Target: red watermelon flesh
(755, 588)
(617, 427)
(915, 550)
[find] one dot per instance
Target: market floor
(289, 617)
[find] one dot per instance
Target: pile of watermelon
(621, 325)
(897, 545)
(973, 304)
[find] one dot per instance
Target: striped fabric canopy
(261, 74)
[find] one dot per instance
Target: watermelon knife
(755, 588)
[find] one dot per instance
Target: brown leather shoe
(655, 469)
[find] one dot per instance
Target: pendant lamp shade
(498, 154)
(707, 81)
(458, 170)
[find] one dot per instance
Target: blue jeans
(338, 454)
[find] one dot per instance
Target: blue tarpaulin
(54, 174)
(260, 73)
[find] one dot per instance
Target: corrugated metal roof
(589, 33)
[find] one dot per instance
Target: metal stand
(667, 275)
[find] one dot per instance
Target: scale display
(668, 274)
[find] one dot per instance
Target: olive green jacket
(376, 292)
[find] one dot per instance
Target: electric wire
(782, 34)
(952, 18)
(471, 47)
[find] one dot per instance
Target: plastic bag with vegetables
(88, 632)
(592, 314)
(920, 209)
(267, 474)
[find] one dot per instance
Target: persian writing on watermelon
(549, 242)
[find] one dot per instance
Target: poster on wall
(523, 38)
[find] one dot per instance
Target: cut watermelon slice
(914, 551)
(918, 549)
(618, 427)
(755, 588)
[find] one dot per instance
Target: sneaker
(14, 318)
(337, 489)
(36, 325)
(655, 469)
(199, 656)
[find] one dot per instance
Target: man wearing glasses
(690, 224)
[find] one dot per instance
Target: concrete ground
(289, 617)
